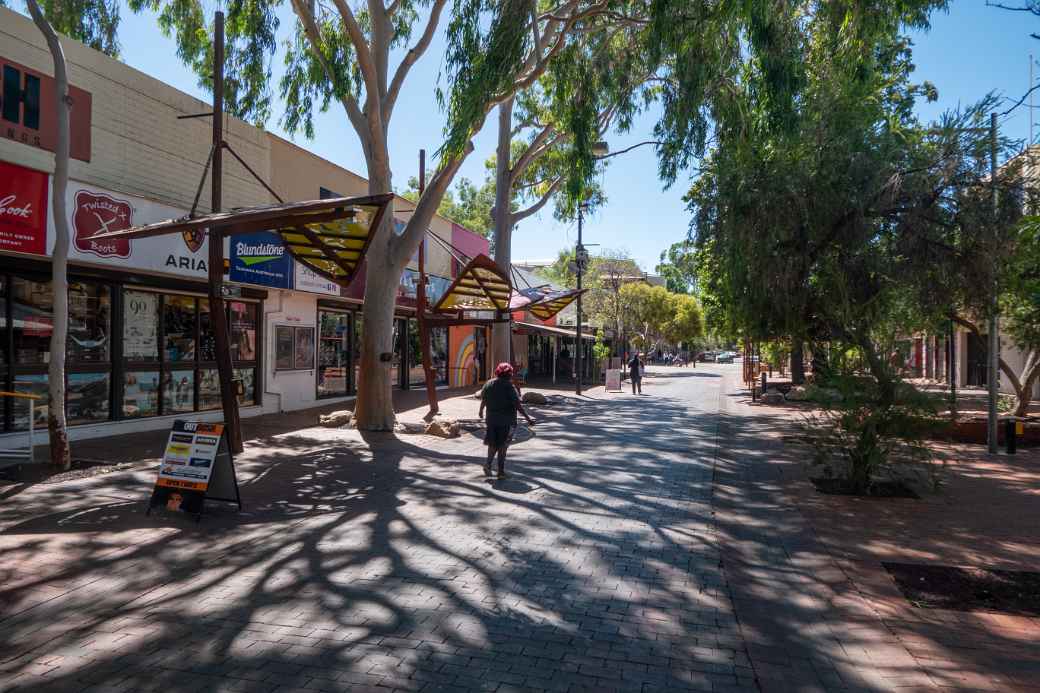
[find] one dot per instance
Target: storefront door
(334, 367)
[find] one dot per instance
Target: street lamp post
(581, 258)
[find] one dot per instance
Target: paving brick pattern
(388, 563)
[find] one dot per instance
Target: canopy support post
(228, 396)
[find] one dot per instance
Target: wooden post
(420, 303)
(218, 317)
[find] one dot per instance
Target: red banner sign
(23, 210)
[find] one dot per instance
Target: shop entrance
(334, 353)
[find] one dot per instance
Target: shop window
(33, 385)
(415, 369)
(243, 331)
(90, 313)
(32, 305)
(207, 338)
(3, 321)
(179, 328)
(178, 391)
(439, 353)
(294, 348)
(209, 389)
(358, 330)
(140, 394)
(87, 396)
(333, 353)
(140, 326)
(245, 379)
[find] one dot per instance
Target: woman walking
(501, 401)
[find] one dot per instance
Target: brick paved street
(643, 544)
(359, 565)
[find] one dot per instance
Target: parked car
(707, 356)
(725, 357)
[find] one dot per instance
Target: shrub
(867, 436)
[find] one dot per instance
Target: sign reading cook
(23, 210)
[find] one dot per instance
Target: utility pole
(993, 367)
(228, 395)
(579, 260)
(420, 304)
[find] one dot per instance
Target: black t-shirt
(635, 367)
(500, 400)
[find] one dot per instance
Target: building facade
(141, 349)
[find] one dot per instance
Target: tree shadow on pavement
(381, 562)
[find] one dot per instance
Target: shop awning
(553, 302)
(329, 236)
(481, 285)
(551, 330)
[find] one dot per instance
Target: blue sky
(969, 51)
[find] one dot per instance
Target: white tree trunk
(501, 333)
(56, 427)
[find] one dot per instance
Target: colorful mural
(462, 339)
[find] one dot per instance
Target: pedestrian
(502, 402)
(635, 374)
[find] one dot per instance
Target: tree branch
(533, 209)
(350, 104)
(363, 52)
(533, 151)
(410, 59)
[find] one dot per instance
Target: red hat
(503, 369)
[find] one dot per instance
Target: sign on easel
(197, 466)
(613, 380)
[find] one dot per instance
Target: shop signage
(613, 380)
(260, 258)
(196, 466)
(23, 210)
(93, 209)
(307, 280)
(97, 213)
(28, 112)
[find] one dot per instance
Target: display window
(132, 352)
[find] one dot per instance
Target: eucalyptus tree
(93, 22)
(341, 53)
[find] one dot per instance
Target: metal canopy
(328, 236)
(546, 304)
(481, 285)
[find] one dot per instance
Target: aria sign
(28, 112)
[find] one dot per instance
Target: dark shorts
(498, 436)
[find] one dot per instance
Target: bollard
(1010, 436)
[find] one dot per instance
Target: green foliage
(678, 267)
(866, 439)
(92, 22)
(686, 325)
(467, 205)
(600, 350)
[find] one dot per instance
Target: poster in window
(140, 326)
(283, 348)
(304, 357)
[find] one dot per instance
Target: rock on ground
(336, 418)
(531, 397)
(443, 428)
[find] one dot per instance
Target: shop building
(141, 349)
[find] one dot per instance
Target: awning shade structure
(529, 327)
(553, 302)
(328, 236)
(481, 285)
